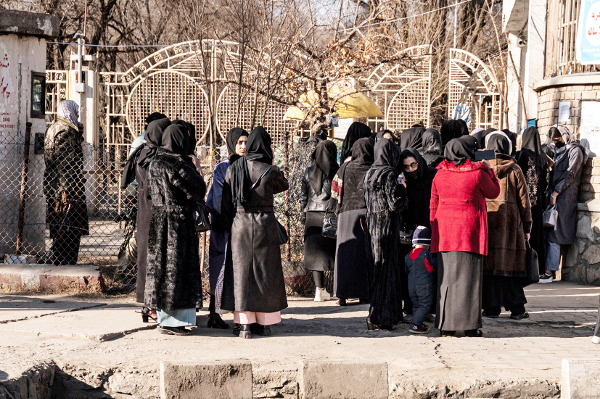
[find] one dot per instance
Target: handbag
(550, 216)
(201, 220)
(330, 225)
(532, 265)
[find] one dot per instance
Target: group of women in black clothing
(383, 191)
(245, 267)
(380, 190)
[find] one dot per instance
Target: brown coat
(509, 218)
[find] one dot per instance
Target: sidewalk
(102, 345)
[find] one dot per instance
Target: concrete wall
(22, 51)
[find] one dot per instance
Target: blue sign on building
(588, 33)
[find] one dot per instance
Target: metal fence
(38, 229)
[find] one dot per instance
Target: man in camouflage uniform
(64, 186)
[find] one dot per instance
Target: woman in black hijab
(385, 199)
(353, 268)
(453, 129)
(173, 281)
(433, 152)
(418, 177)
(319, 251)
(535, 166)
(412, 138)
(219, 236)
(357, 130)
(142, 159)
(253, 287)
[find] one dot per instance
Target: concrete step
(50, 279)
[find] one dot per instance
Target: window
(563, 16)
(38, 95)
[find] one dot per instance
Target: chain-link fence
(93, 222)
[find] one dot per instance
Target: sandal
(148, 313)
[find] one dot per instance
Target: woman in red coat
(460, 235)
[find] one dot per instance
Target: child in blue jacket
(420, 264)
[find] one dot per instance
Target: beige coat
(509, 218)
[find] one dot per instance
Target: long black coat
(254, 276)
(173, 273)
(384, 204)
(565, 179)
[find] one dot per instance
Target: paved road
(101, 342)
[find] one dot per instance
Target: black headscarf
(412, 138)
(325, 158)
(154, 117)
(531, 141)
(418, 191)
(153, 139)
(453, 129)
(362, 151)
(461, 149)
(231, 139)
(357, 130)
(175, 140)
(498, 143)
(191, 129)
(513, 139)
(432, 142)
(258, 149)
(387, 158)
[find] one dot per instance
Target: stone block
(589, 95)
(215, 380)
(580, 379)
(571, 258)
(596, 188)
(596, 162)
(584, 227)
(592, 254)
(343, 380)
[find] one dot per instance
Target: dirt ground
(100, 343)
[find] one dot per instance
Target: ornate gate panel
(474, 84)
(172, 93)
(403, 91)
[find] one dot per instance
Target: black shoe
(489, 315)
(447, 333)
(236, 329)
(174, 330)
(215, 321)
(245, 331)
(259, 329)
(520, 316)
(342, 302)
(147, 314)
(473, 333)
(371, 326)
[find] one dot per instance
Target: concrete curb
(216, 380)
(343, 380)
(580, 379)
(50, 278)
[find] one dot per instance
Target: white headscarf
(69, 110)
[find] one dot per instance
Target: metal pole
(24, 169)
